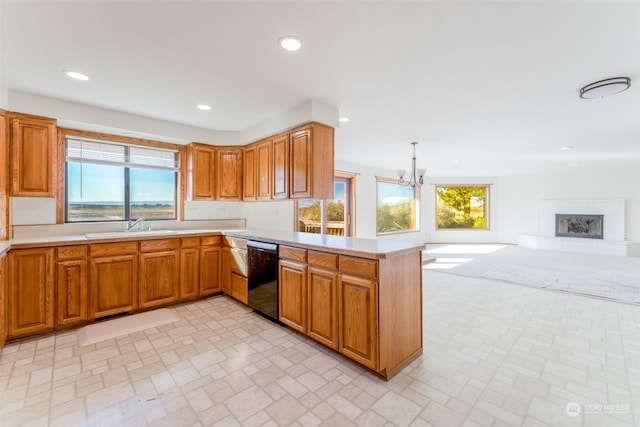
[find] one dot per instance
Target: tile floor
(494, 355)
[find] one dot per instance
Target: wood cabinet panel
(113, 284)
(311, 162)
(359, 266)
(292, 282)
(4, 328)
(300, 164)
(228, 174)
(358, 320)
(280, 176)
(32, 156)
(201, 168)
(239, 287)
(189, 273)
(4, 153)
(31, 291)
(323, 259)
(71, 293)
(210, 264)
(293, 254)
(250, 173)
(322, 295)
(71, 252)
(159, 278)
(264, 170)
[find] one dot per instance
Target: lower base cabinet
(210, 254)
(292, 278)
(322, 297)
(31, 291)
(113, 278)
(159, 281)
(235, 281)
(3, 300)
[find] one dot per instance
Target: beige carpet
(115, 328)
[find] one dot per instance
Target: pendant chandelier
(416, 179)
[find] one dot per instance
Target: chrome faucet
(131, 225)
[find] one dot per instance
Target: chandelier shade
(417, 175)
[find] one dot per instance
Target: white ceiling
(493, 85)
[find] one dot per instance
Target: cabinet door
(159, 278)
(210, 270)
(3, 300)
(30, 291)
(4, 153)
(249, 178)
(264, 166)
(201, 176)
(292, 282)
(239, 287)
(322, 294)
(229, 174)
(32, 156)
(189, 273)
(359, 319)
(281, 167)
(113, 285)
(71, 295)
(300, 164)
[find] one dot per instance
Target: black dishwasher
(263, 278)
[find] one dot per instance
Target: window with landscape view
(462, 207)
(109, 181)
(327, 216)
(397, 208)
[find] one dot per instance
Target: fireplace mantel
(571, 244)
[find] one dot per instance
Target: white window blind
(109, 153)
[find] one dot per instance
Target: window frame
(487, 207)
(417, 215)
(61, 164)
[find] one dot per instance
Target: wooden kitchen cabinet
(292, 277)
(358, 319)
(201, 177)
(159, 280)
(258, 166)
(210, 263)
(3, 300)
(32, 155)
(189, 268)
(71, 286)
(235, 281)
(228, 184)
(322, 296)
(113, 278)
(311, 162)
(280, 175)
(31, 291)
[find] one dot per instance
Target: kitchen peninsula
(359, 297)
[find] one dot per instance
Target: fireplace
(584, 226)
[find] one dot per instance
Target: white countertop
(369, 248)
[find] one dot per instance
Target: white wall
(519, 197)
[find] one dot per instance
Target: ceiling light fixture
(290, 43)
(76, 75)
(567, 147)
(605, 87)
(416, 179)
(344, 119)
(203, 107)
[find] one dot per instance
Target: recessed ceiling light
(203, 107)
(575, 164)
(76, 75)
(290, 43)
(455, 161)
(567, 147)
(344, 119)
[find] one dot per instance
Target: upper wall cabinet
(201, 161)
(258, 167)
(228, 184)
(311, 167)
(4, 152)
(32, 141)
(280, 176)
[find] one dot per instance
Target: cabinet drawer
(71, 252)
(294, 254)
(119, 248)
(323, 259)
(190, 242)
(215, 241)
(235, 242)
(159, 245)
(359, 266)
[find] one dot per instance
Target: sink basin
(114, 234)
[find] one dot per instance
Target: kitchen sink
(115, 234)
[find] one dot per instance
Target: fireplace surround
(581, 226)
